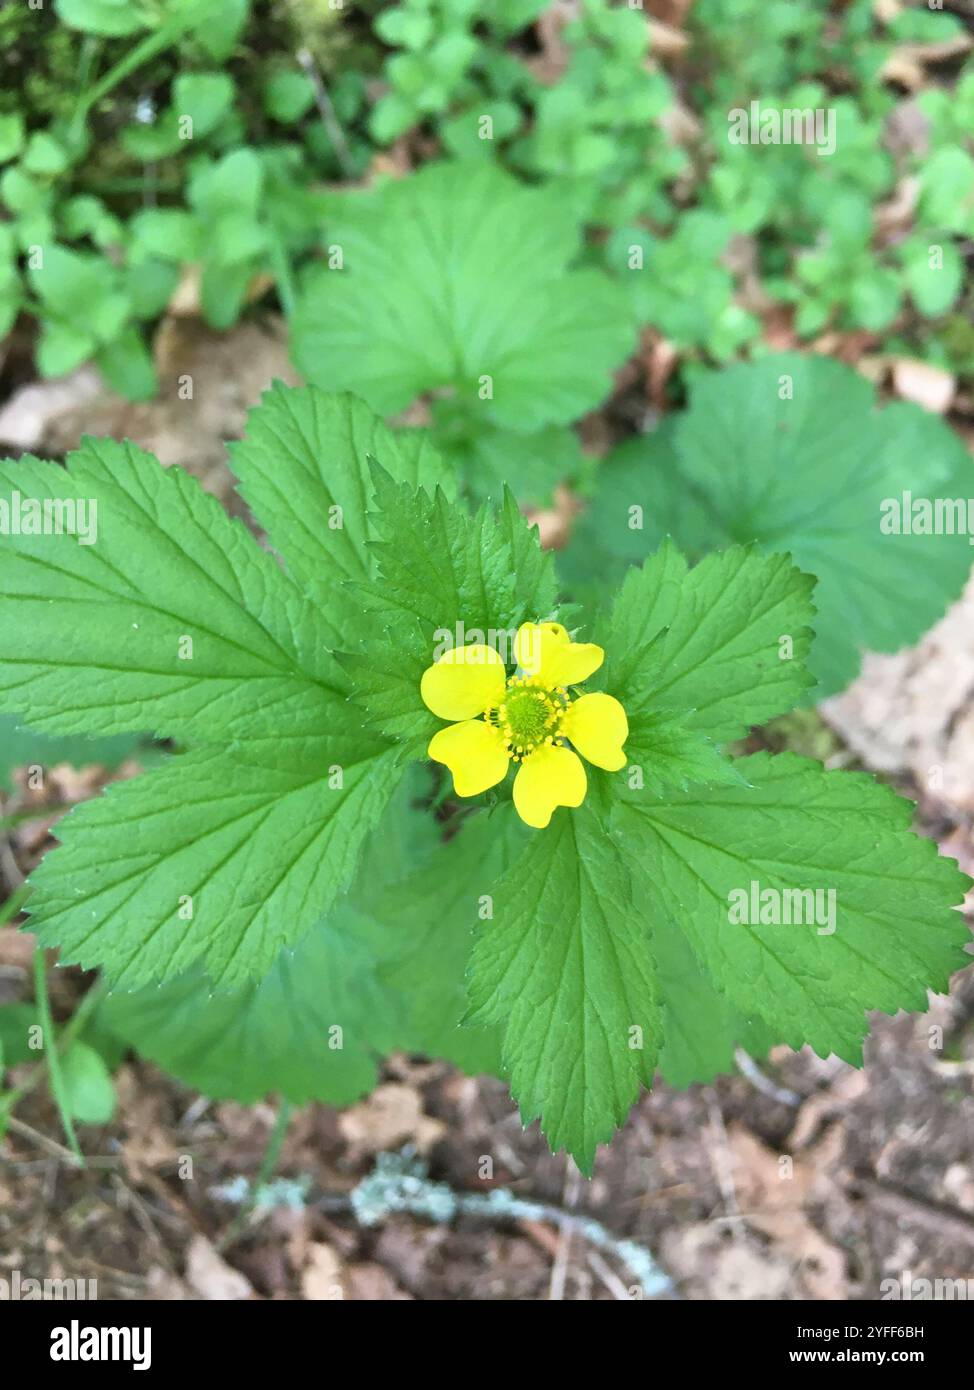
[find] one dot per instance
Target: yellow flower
(529, 718)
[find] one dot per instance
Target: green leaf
(405, 27)
(440, 567)
(61, 348)
(16, 1022)
(175, 620)
(701, 1030)
(875, 299)
(532, 465)
(467, 137)
(934, 274)
(223, 291)
(565, 968)
(218, 25)
(321, 519)
(507, 16)
(111, 18)
(434, 911)
(640, 497)
(669, 753)
(12, 135)
(721, 646)
(206, 97)
(81, 290)
(821, 473)
(149, 141)
(172, 234)
(458, 277)
(885, 937)
(127, 366)
(45, 156)
(391, 116)
(278, 1034)
(213, 857)
(231, 184)
(150, 284)
(288, 95)
(275, 1035)
(89, 1092)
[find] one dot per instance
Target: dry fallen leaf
(392, 1115)
(772, 1190)
(26, 416)
(371, 1283)
(925, 384)
(209, 1275)
(322, 1276)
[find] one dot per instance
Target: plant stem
(69, 1032)
(271, 1155)
(143, 52)
(14, 903)
(51, 1052)
(282, 274)
(329, 117)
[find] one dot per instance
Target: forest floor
(802, 1179)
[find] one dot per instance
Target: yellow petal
(464, 682)
(552, 776)
(474, 752)
(546, 650)
(598, 727)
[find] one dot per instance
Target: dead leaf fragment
(322, 1276)
(925, 384)
(392, 1115)
(209, 1275)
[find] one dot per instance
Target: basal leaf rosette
(534, 718)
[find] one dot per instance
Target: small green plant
(455, 284)
(307, 896)
(452, 67)
(599, 129)
(74, 1061)
(94, 240)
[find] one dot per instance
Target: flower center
(529, 715)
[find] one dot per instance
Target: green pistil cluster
(529, 716)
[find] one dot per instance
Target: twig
(50, 1146)
(608, 1276)
(326, 110)
(749, 1068)
(722, 1163)
(399, 1183)
(559, 1267)
(8, 862)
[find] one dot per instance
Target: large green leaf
(304, 467)
(217, 856)
(791, 452)
(565, 968)
(457, 277)
(886, 935)
(165, 615)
